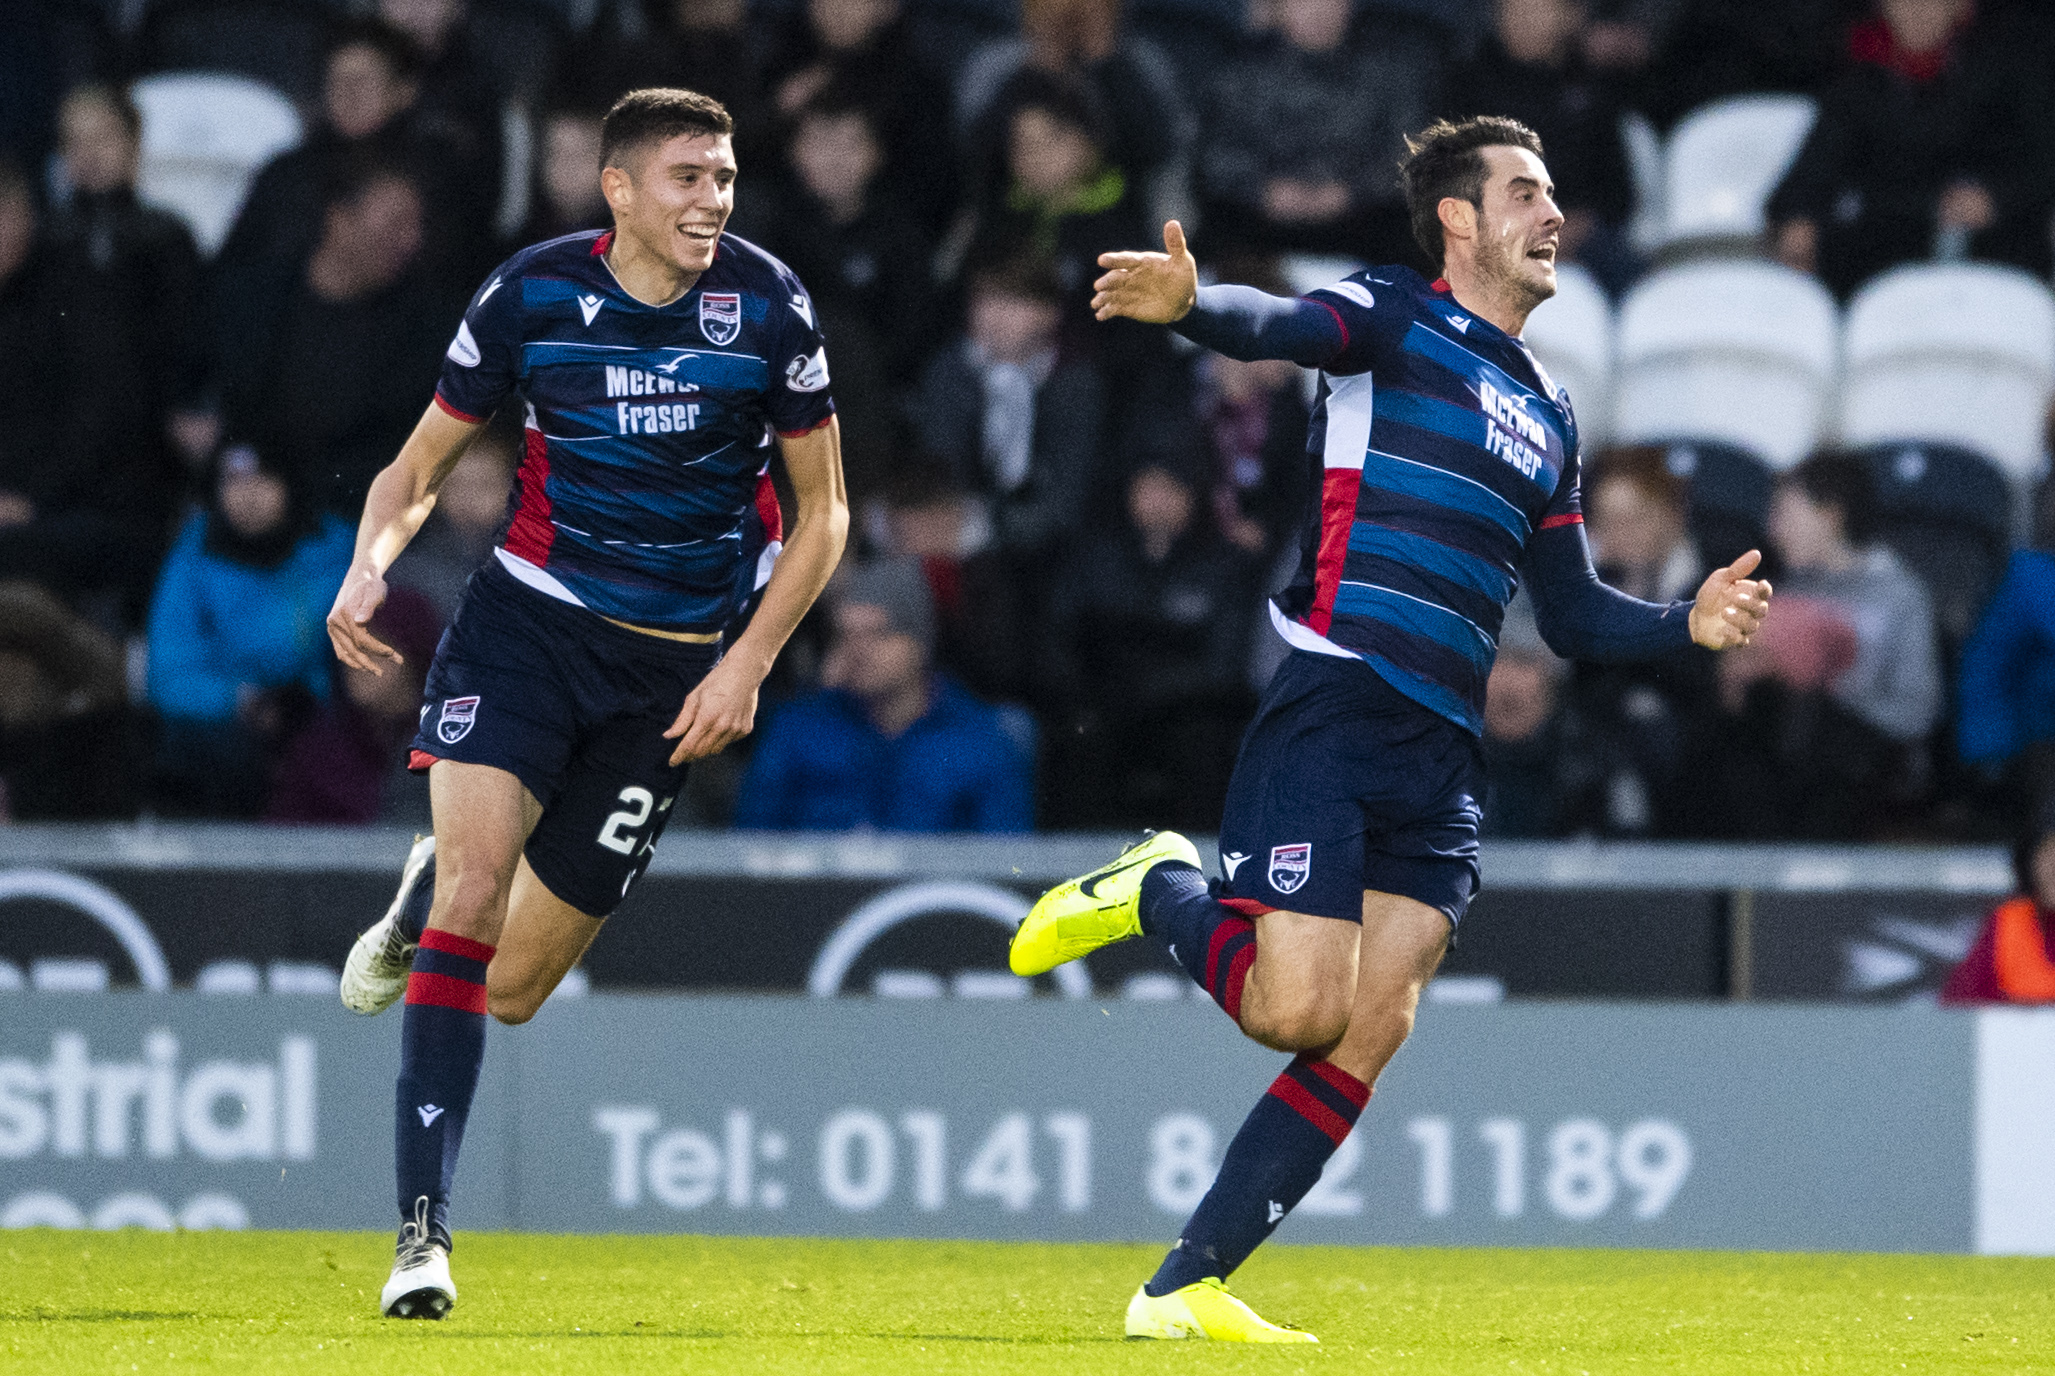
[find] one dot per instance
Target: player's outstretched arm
(1582, 618)
(722, 709)
(400, 499)
(1241, 322)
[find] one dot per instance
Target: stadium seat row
(1758, 356)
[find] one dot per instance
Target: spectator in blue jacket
(2008, 675)
(891, 743)
(238, 653)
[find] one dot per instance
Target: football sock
(413, 916)
(1215, 944)
(1272, 1162)
(442, 1045)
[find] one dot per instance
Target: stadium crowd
(1054, 616)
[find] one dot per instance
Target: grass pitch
(76, 1303)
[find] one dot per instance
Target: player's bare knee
(471, 902)
(1295, 1024)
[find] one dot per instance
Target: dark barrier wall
(236, 909)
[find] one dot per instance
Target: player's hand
(1730, 605)
(363, 593)
(719, 712)
(1155, 288)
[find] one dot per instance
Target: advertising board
(1561, 1124)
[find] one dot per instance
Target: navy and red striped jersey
(1442, 448)
(644, 491)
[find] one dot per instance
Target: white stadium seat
(1959, 353)
(1724, 160)
(1572, 335)
(1743, 353)
(205, 134)
(1645, 163)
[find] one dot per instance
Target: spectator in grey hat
(890, 743)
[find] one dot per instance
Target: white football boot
(420, 1286)
(375, 975)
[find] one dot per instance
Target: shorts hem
(420, 761)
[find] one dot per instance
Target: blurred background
(1805, 308)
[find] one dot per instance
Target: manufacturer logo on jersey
(720, 316)
(1276, 1211)
(463, 350)
(589, 307)
(804, 307)
(1232, 861)
(459, 715)
(1461, 322)
(1289, 866)
(808, 372)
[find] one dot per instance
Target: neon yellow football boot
(1098, 909)
(1205, 1310)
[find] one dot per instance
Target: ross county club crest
(1289, 866)
(458, 717)
(720, 316)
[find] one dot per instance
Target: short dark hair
(1842, 481)
(1447, 159)
(656, 113)
(1643, 467)
(1029, 277)
(1064, 97)
(2026, 842)
(351, 177)
(403, 57)
(14, 182)
(839, 98)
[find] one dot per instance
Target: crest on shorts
(458, 717)
(1289, 866)
(720, 316)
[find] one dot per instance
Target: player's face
(2044, 872)
(678, 200)
(1520, 228)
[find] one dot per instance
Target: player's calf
(543, 938)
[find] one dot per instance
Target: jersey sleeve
(483, 362)
(1373, 317)
(1566, 506)
(799, 401)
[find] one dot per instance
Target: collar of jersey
(622, 287)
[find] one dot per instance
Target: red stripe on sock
(1228, 929)
(1352, 1089)
(1237, 971)
(1309, 1108)
(436, 939)
(445, 991)
(1247, 907)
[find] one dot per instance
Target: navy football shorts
(1346, 784)
(575, 707)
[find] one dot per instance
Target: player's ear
(1458, 217)
(618, 187)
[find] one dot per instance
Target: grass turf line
(78, 1303)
